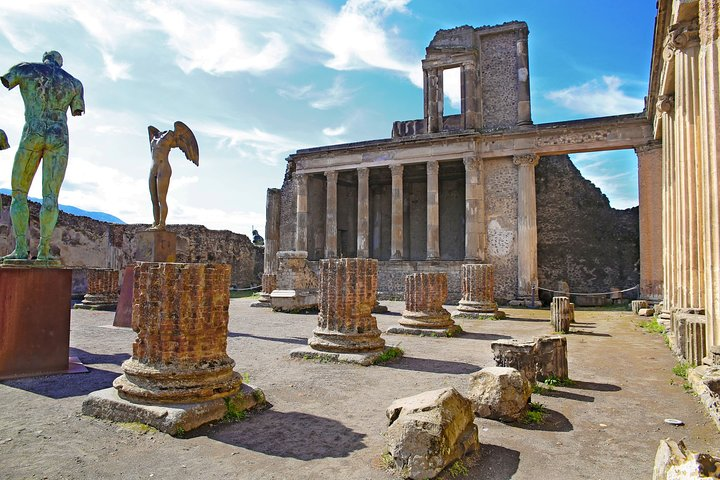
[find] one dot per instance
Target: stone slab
(450, 331)
(365, 358)
(34, 321)
(293, 300)
(497, 315)
(646, 312)
(156, 246)
(172, 418)
(123, 312)
(700, 378)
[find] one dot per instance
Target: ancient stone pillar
(331, 215)
(650, 173)
(102, 291)
(396, 239)
(523, 76)
(666, 107)
(636, 305)
(527, 225)
(474, 209)
(425, 294)
(560, 314)
(180, 313)
(272, 230)
(433, 89)
(345, 323)
(302, 213)
(363, 227)
(709, 69)
(433, 211)
(296, 288)
(469, 83)
(478, 285)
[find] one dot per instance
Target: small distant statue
(4, 145)
(258, 241)
(47, 92)
(160, 145)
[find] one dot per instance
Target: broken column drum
(347, 296)
(180, 314)
(103, 288)
(425, 294)
(478, 285)
(560, 314)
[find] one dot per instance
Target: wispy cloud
(335, 96)
(334, 132)
(597, 98)
(115, 70)
(613, 172)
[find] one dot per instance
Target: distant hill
(101, 216)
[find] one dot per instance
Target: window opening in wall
(451, 90)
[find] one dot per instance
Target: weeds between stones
(652, 326)
(458, 469)
(553, 381)
(390, 354)
(233, 414)
(535, 414)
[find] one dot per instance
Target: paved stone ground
(327, 420)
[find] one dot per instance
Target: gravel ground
(327, 420)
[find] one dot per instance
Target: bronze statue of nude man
(160, 145)
(47, 92)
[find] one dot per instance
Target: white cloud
(237, 221)
(596, 98)
(613, 172)
(115, 70)
(334, 132)
(451, 86)
(333, 97)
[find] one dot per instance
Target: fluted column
(425, 294)
(331, 215)
(709, 68)
(363, 226)
(433, 211)
(650, 174)
(666, 108)
(302, 213)
(396, 239)
(477, 282)
(560, 314)
(527, 223)
(474, 209)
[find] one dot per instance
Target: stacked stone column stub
(424, 313)
(363, 227)
(331, 224)
(527, 229)
(396, 239)
(433, 211)
(560, 315)
(296, 288)
(179, 376)
(346, 329)
(103, 290)
(478, 298)
(475, 233)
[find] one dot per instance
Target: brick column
(425, 294)
(331, 215)
(363, 226)
(527, 224)
(433, 211)
(103, 288)
(650, 173)
(474, 209)
(396, 239)
(302, 213)
(180, 313)
(478, 292)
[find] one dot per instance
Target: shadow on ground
(492, 462)
(598, 387)
(589, 334)
(432, 365)
(483, 336)
(294, 340)
(288, 435)
(569, 395)
(553, 421)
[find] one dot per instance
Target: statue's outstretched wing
(152, 132)
(185, 139)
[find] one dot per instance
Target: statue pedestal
(156, 246)
(35, 321)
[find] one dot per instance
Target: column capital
(433, 168)
(396, 170)
(363, 173)
(472, 162)
(681, 36)
(527, 159)
(648, 147)
(665, 104)
(300, 178)
(331, 175)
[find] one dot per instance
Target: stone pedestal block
(500, 393)
(345, 322)
(297, 284)
(636, 305)
(34, 321)
(560, 314)
(517, 355)
(269, 283)
(156, 246)
(536, 360)
(102, 289)
(123, 312)
(425, 294)
(478, 285)
(695, 339)
(180, 313)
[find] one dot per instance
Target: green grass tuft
(652, 326)
(458, 469)
(681, 369)
(390, 353)
(233, 414)
(244, 294)
(535, 414)
(553, 381)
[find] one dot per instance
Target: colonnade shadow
(432, 365)
(294, 340)
(288, 434)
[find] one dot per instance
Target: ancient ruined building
(684, 108)
(451, 189)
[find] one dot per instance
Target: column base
(361, 358)
(337, 342)
(294, 301)
(106, 303)
(451, 331)
(496, 315)
(264, 301)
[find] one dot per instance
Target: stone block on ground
(499, 393)
(429, 431)
(673, 461)
(537, 360)
(636, 305)
(517, 355)
(646, 312)
(296, 288)
(705, 382)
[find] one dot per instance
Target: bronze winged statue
(160, 145)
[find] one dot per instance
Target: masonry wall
(499, 79)
(581, 239)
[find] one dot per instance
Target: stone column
(468, 82)
(478, 292)
(433, 88)
(433, 211)
(180, 313)
(331, 215)
(272, 229)
(363, 226)
(523, 77)
(709, 58)
(424, 314)
(396, 240)
(665, 108)
(560, 314)
(474, 209)
(527, 225)
(650, 177)
(346, 329)
(102, 290)
(302, 213)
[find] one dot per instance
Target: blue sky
(257, 80)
